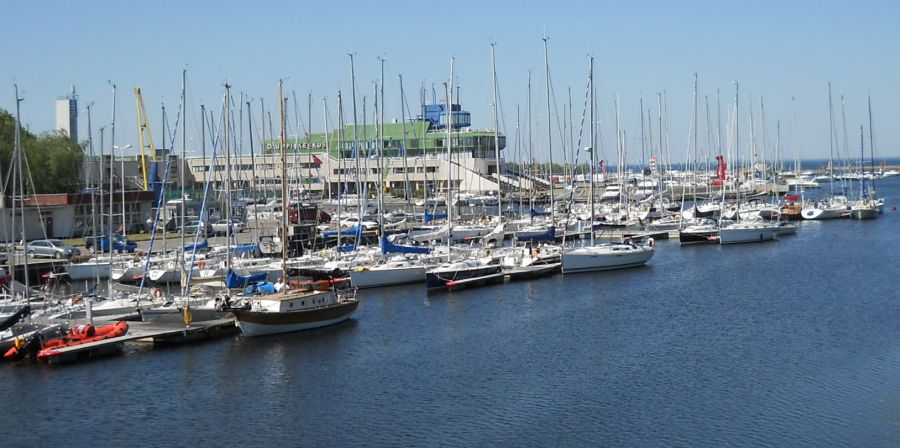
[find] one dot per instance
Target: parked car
(101, 243)
(220, 227)
(190, 228)
(368, 222)
(50, 248)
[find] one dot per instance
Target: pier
(153, 332)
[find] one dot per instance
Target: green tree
(53, 162)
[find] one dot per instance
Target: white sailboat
(750, 231)
(600, 257)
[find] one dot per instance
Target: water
(789, 343)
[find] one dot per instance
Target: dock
(155, 332)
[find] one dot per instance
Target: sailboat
(836, 205)
(868, 206)
(599, 257)
(293, 309)
(447, 274)
(748, 231)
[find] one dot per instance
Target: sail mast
(181, 174)
(285, 204)
(549, 132)
(496, 135)
(591, 149)
(403, 154)
(449, 95)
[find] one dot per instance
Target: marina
(561, 224)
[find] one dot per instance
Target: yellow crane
(144, 127)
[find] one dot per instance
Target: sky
(776, 51)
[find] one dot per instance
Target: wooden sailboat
(293, 309)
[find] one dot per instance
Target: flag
(317, 161)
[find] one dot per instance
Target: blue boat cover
(233, 281)
(196, 247)
(261, 288)
(539, 213)
(350, 231)
(253, 247)
(547, 235)
(388, 247)
(434, 217)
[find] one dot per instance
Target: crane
(144, 127)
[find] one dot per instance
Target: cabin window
(291, 305)
(303, 303)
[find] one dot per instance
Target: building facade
(67, 115)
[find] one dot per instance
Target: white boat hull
(588, 260)
(373, 278)
(88, 270)
(864, 212)
(249, 329)
(747, 234)
(822, 213)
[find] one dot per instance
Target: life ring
(201, 265)
(158, 293)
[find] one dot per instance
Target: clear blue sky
(774, 49)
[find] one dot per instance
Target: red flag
(317, 160)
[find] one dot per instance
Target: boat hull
(261, 323)
(822, 213)
(373, 278)
(589, 261)
(864, 213)
(85, 271)
(747, 235)
(703, 237)
(440, 280)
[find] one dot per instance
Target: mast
(591, 149)
(181, 175)
(253, 172)
(496, 135)
(284, 195)
(355, 133)
(871, 148)
(340, 162)
(641, 109)
(449, 95)
(381, 177)
(327, 142)
(18, 173)
(90, 174)
(227, 209)
(112, 164)
(407, 192)
(549, 133)
(831, 141)
(530, 152)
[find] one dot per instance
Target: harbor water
(786, 343)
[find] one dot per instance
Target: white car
(221, 227)
(353, 221)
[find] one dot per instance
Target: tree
(52, 161)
